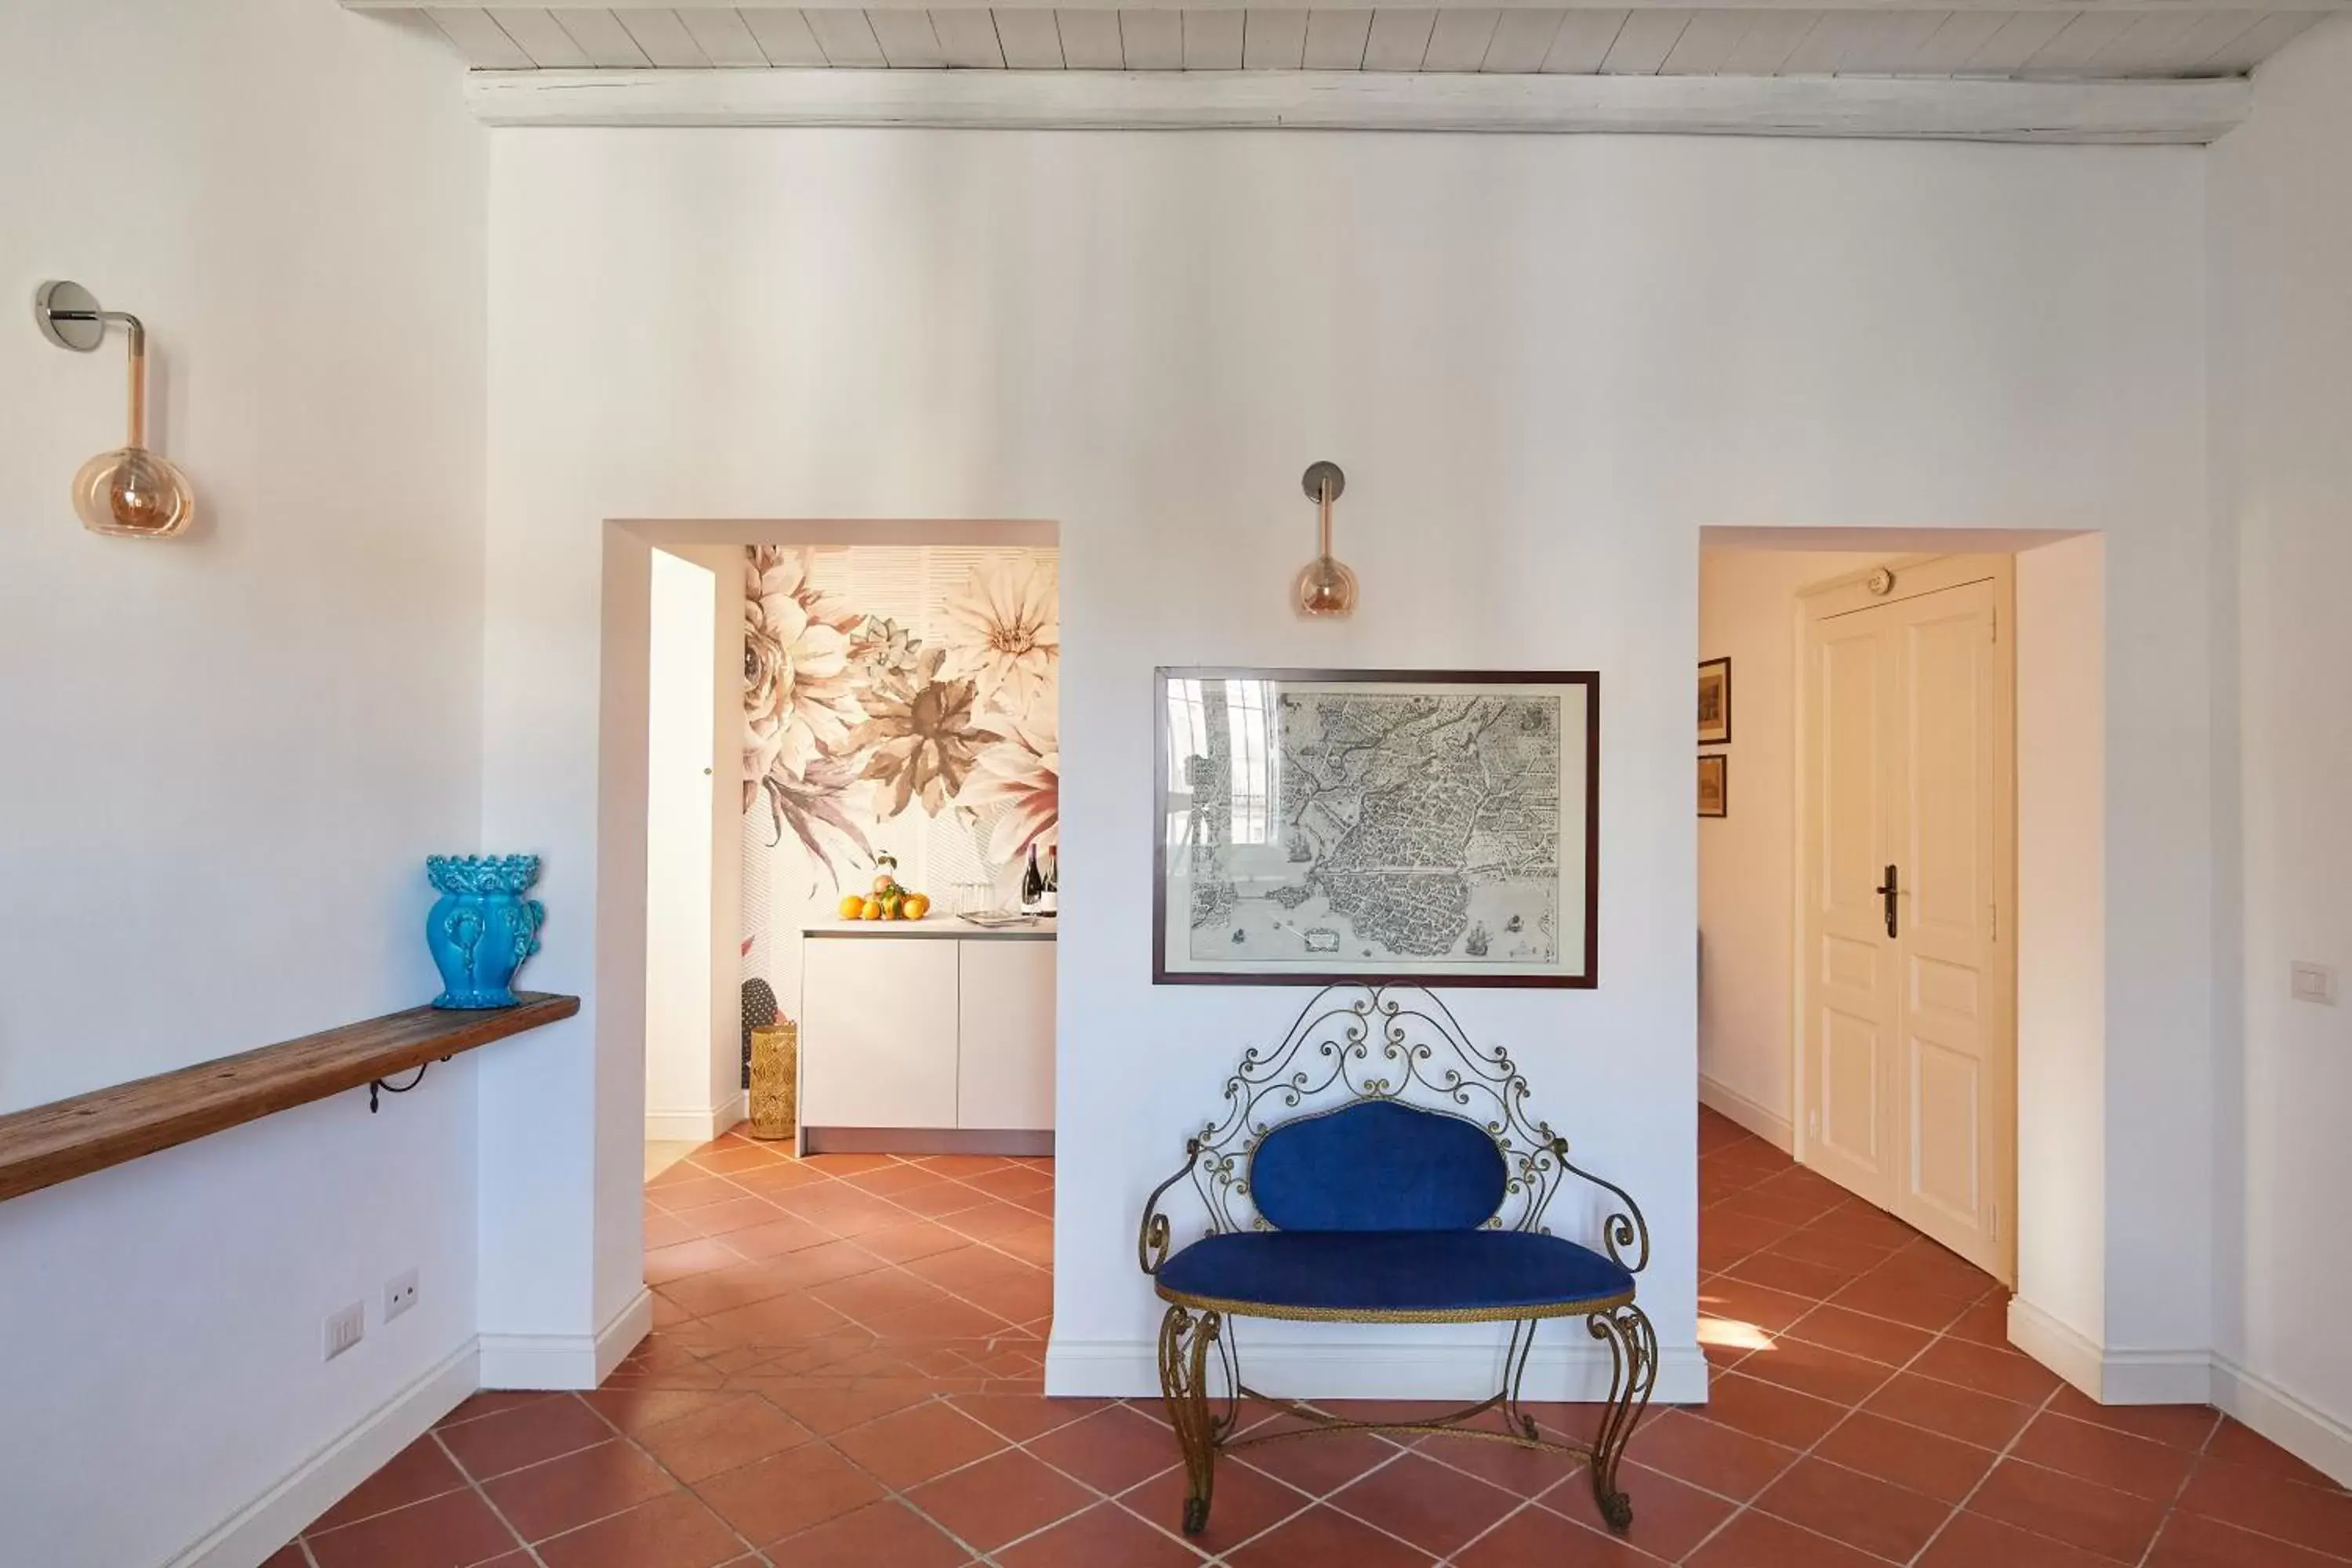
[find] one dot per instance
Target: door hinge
(1994, 910)
(1996, 623)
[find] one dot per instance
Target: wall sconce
(131, 492)
(1327, 589)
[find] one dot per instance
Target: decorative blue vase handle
(526, 938)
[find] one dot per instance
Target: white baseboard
(696, 1126)
(264, 1526)
(2156, 1378)
(2063, 1349)
(2315, 1437)
(1348, 1368)
(257, 1530)
(565, 1360)
(2110, 1376)
(1762, 1121)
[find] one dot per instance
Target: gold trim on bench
(1236, 1309)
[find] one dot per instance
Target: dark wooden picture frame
(1722, 767)
(1722, 736)
(1585, 976)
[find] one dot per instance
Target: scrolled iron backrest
(1364, 1044)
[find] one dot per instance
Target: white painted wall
(2063, 1132)
(226, 758)
(1545, 364)
(1747, 859)
(682, 1099)
(2280, 249)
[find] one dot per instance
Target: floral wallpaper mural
(898, 698)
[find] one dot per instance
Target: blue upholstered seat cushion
(1378, 1165)
(1382, 1273)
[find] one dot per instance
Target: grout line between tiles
(487, 1501)
(1961, 1507)
(684, 1485)
(1810, 1450)
(2188, 1475)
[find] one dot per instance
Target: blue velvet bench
(1377, 1168)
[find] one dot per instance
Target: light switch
(2312, 983)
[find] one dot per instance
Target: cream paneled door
(1907, 1051)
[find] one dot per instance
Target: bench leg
(1633, 1353)
(1184, 1341)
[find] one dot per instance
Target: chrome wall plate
(1312, 480)
(67, 314)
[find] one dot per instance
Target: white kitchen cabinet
(878, 1033)
(913, 1028)
(1005, 1008)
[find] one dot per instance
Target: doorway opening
(852, 743)
(892, 1250)
(1901, 884)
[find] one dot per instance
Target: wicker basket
(776, 1081)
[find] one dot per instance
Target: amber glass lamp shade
(133, 493)
(1326, 587)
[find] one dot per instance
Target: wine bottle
(1051, 901)
(1033, 884)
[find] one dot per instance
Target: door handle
(1887, 891)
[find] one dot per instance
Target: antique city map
(1352, 827)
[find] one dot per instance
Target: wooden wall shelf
(68, 1138)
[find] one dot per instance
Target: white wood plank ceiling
(2098, 44)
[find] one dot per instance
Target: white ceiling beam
(2130, 8)
(2192, 112)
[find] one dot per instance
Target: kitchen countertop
(932, 925)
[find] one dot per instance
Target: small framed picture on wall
(1715, 702)
(1714, 784)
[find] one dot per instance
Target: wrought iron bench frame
(1353, 1044)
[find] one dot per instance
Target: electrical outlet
(399, 1294)
(345, 1329)
(2312, 983)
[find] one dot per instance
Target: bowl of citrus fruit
(888, 901)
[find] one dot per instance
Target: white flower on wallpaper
(850, 720)
(799, 701)
(1022, 774)
(1007, 635)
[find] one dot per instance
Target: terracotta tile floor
(845, 1370)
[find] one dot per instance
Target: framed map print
(1432, 828)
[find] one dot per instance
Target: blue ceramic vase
(481, 927)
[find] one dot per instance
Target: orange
(870, 911)
(916, 905)
(852, 907)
